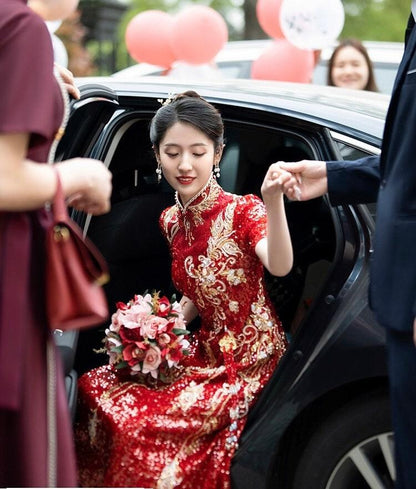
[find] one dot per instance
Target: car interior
(137, 254)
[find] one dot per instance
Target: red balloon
(284, 62)
(198, 34)
(268, 15)
(148, 38)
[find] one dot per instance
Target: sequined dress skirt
(178, 436)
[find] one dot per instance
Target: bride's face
(187, 156)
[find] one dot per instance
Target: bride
(183, 435)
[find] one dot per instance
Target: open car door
(88, 116)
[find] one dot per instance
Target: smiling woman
(350, 66)
(184, 434)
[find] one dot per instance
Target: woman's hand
(69, 82)
(87, 184)
(275, 251)
(274, 182)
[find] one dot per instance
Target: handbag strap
(65, 117)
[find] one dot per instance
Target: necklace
(60, 132)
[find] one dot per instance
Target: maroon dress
(30, 102)
(184, 435)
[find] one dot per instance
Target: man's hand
(309, 179)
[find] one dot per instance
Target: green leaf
(122, 365)
(180, 332)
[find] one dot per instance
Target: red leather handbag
(75, 273)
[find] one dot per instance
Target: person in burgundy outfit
(33, 453)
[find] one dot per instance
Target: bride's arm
(190, 312)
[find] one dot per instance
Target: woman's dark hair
(189, 108)
(358, 45)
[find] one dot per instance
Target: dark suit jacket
(393, 177)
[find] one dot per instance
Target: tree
(252, 29)
(377, 20)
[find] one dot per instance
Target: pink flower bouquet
(146, 338)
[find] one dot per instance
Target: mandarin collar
(203, 200)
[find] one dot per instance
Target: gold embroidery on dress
(217, 269)
(190, 395)
(260, 337)
(192, 214)
(170, 220)
(171, 476)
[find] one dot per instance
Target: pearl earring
(217, 171)
(159, 173)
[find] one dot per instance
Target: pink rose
(133, 318)
(142, 307)
(153, 326)
(165, 338)
(180, 322)
(144, 303)
(116, 320)
(152, 361)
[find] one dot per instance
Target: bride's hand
(274, 182)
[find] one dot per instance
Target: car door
(88, 116)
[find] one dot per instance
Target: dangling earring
(159, 172)
(217, 171)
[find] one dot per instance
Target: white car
(235, 59)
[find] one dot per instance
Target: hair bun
(188, 93)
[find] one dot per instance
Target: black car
(323, 420)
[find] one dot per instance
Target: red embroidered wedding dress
(184, 435)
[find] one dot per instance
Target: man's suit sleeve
(353, 182)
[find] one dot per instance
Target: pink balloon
(268, 15)
(198, 34)
(284, 62)
(148, 38)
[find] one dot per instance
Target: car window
(235, 69)
(352, 152)
(250, 149)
